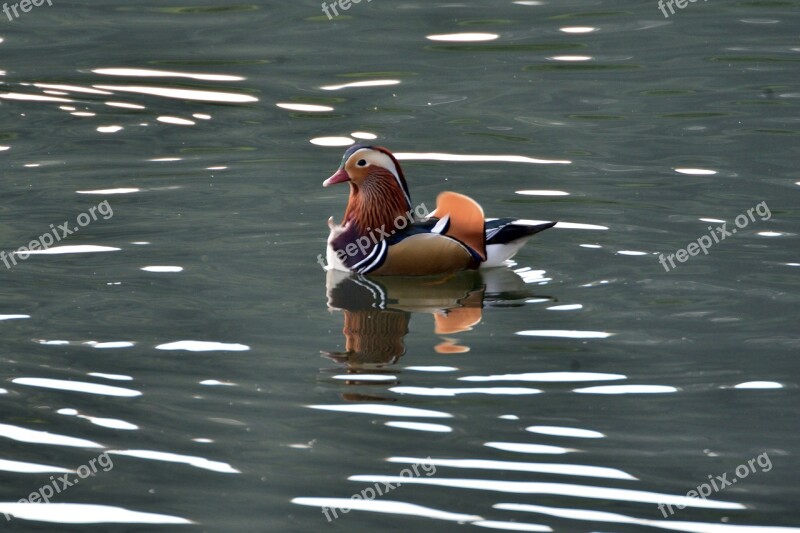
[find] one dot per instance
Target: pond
(174, 356)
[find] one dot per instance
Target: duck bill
(340, 177)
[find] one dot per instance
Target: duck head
(378, 189)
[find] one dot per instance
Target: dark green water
(655, 382)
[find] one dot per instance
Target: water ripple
(565, 432)
(443, 391)
(627, 389)
(198, 462)
(79, 513)
(43, 437)
(548, 377)
(675, 525)
(556, 489)
(524, 447)
(29, 468)
(386, 506)
(77, 386)
(539, 468)
(420, 426)
(383, 410)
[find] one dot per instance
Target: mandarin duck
(381, 234)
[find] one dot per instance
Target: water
(201, 351)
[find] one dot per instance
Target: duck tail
(464, 220)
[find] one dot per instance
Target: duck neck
(377, 204)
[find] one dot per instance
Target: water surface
(192, 339)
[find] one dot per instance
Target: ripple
(13, 317)
(365, 377)
(577, 29)
(548, 377)
(73, 249)
(539, 468)
(560, 431)
(565, 333)
(557, 489)
(305, 107)
(124, 105)
(69, 88)
(435, 156)
(80, 513)
(148, 73)
(420, 426)
(759, 385)
(463, 37)
(181, 94)
(442, 391)
(175, 120)
(542, 193)
(203, 346)
(104, 192)
(571, 58)
(198, 462)
(216, 383)
(164, 268)
(432, 368)
(33, 97)
(386, 506)
(111, 423)
(93, 344)
(510, 526)
(29, 468)
(367, 83)
(383, 410)
(567, 307)
(332, 141)
(696, 171)
(109, 345)
(77, 386)
(363, 135)
(675, 525)
(43, 437)
(109, 129)
(627, 389)
(524, 447)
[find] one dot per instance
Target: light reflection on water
(209, 318)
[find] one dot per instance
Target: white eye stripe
(376, 158)
(379, 159)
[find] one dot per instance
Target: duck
(381, 233)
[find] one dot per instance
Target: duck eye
(362, 162)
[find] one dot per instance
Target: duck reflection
(377, 311)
